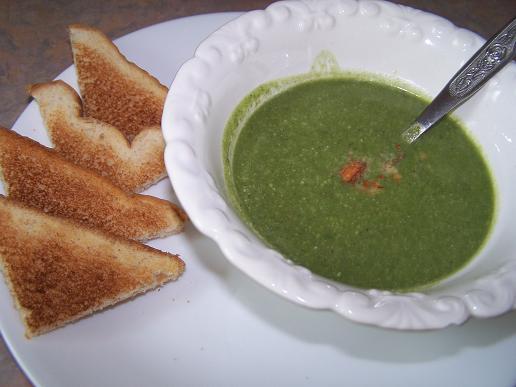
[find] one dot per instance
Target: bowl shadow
(327, 328)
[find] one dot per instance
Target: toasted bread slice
(113, 89)
(97, 145)
(39, 177)
(59, 271)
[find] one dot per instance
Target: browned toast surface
(113, 89)
(59, 270)
(41, 178)
(98, 145)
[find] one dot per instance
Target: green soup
(413, 216)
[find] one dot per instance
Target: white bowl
(372, 36)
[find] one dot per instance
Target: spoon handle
(487, 61)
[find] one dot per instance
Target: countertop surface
(34, 48)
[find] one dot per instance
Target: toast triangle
(59, 271)
(113, 89)
(98, 145)
(41, 178)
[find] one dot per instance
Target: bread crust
(41, 178)
(93, 144)
(114, 90)
(59, 271)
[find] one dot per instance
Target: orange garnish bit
(352, 172)
(372, 184)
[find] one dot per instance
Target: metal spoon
(487, 61)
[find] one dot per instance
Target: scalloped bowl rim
(246, 52)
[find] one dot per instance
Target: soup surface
(318, 171)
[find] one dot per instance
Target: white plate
(216, 327)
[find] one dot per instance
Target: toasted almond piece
(41, 178)
(59, 271)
